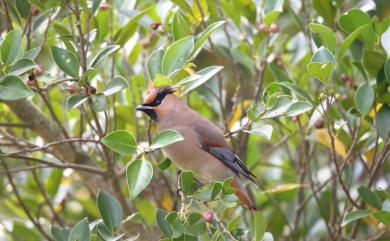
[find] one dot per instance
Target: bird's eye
(157, 102)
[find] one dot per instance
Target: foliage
(301, 89)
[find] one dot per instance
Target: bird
(204, 149)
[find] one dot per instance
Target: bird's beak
(143, 107)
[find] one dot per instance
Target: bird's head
(153, 102)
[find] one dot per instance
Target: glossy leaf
(139, 174)
(349, 40)
(202, 37)
(194, 225)
(155, 63)
(99, 102)
(326, 34)
(298, 108)
(176, 55)
(205, 74)
(13, 88)
(11, 46)
(121, 142)
(66, 61)
(103, 54)
(369, 197)
(382, 121)
(60, 234)
(166, 137)
(180, 27)
(188, 183)
(164, 226)
(387, 70)
(21, 66)
(110, 210)
(355, 215)
(75, 101)
(354, 19)
(263, 130)
(115, 85)
(364, 98)
(383, 217)
(373, 61)
(80, 232)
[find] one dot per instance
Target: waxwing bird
(204, 149)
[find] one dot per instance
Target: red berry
(104, 6)
(38, 70)
(155, 25)
(72, 89)
(263, 28)
(34, 12)
(208, 216)
(31, 83)
(344, 78)
(274, 28)
(319, 124)
(92, 90)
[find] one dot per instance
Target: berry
(319, 124)
(72, 89)
(38, 70)
(92, 90)
(34, 12)
(295, 118)
(145, 42)
(155, 25)
(104, 6)
(31, 76)
(31, 83)
(274, 28)
(344, 78)
(208, 216)
(263, 28)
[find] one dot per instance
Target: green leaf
(326, 34)
(297, 90)
(180, 27)
(382, 121)
(194, 225)
(164, 138)
(121, 142)
(326, 10)
(131, 27)
(139, 174)
(349, 40)
(201, 38)
(177, 55)
(11, 46)
(103, 54)
(80, 232)
(320, 71)
(373, 61)
(188, 184)
(32, 53)
(164, 226)
(272, 9)
(75, 101)
(22, 66)
(204, 75)
(263, 130)
(260, 225)
(95, 6)
(155, 63)
(173, 219)
(298, 108)
(364, 98)
(99, 102)
(369, 197)
(383, 217)
(280, 108)
(117, 84)
(161, 80)
(110, 210)
(355, 215)
(13, 88)
(353, 20)
(387, 70)
(66, 61)
(254, 112)
(23, 7)
(164, 164)
(60, 234)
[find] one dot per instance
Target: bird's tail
(242, 194)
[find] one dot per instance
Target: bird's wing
(211, 140)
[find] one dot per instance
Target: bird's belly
(188, 155)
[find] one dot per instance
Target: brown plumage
(204, 149)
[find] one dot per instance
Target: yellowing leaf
(324, 138)
(237, 112)
(372, 112)
(166, 201)
(286, 187)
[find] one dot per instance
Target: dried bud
(295, 118)
(155, 25)
(208, 216)
(344, 78)
(31, 83)
(92, 90)
(72, 89)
